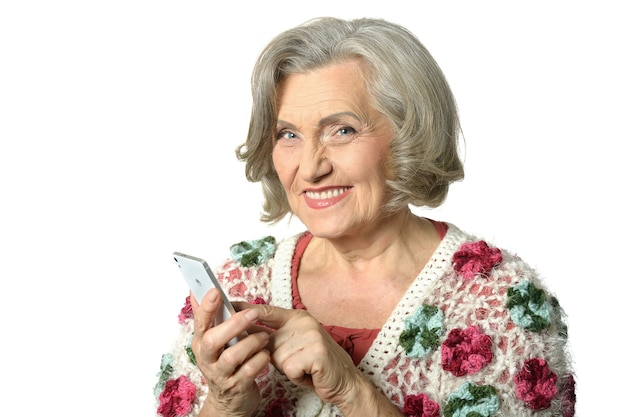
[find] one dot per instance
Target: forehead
(333, 87)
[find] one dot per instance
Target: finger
(257, 327)
(273, 317)
(296, 347)
(205, 312)
(253, 366)
(285, 343)
(293, 360)
(235, 327)
(233, 358)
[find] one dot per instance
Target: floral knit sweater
(477, 334)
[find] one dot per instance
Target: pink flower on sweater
(232, 274)
(420, 406)
(238, 290)
(186, 312)
(536, 384)
(475, 258)
(177, 398)
(466, 351)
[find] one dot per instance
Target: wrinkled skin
(303, 351)
(230, 373)
(295, 343)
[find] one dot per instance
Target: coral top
(354, 341)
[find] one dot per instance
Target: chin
(329, 229)
(323, 229)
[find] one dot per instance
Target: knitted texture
(476, 334)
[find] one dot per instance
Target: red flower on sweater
(186, 312)
(466, 351)
(536, 384)
(475, 258)
(420, 406)
(177, 397)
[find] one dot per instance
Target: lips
(319, 199)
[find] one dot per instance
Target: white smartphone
(200, 279)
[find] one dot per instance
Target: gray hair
(405, 84)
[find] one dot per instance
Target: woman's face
(331, 150)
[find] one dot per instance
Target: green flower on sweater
(164, 373)
(472, 400)
(422, 331)
(559, 320)
(253, 252)
(189, 351)
(528, 306)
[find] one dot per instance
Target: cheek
(384, 165)
(387, 168)
(374, 163)
(281, 165)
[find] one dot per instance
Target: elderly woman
(371, 310)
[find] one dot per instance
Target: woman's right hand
(230, 373)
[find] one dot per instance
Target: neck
(401, 242)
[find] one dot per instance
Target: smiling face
(331, 150)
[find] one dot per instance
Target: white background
(118, 123)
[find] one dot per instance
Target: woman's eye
(340, 135)
(285, 134)
(346, 130)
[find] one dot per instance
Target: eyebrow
(323, 121)
(287, 125)
(334, 117)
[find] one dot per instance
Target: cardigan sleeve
(180, 389)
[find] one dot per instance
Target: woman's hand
(302, 350)
(230, 373)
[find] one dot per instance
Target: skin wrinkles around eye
(338, 134)
(353, 125)
(285, 134)
(333, 129)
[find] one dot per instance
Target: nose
(314, 164)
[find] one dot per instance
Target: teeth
(325, 194)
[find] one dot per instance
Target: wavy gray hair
(405, 84)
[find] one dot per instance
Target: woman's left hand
(303, 351)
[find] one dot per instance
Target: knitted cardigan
(476, 332)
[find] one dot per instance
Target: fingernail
(252, 315)
(212, 295)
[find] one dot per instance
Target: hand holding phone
(200, 279)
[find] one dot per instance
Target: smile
(326, 198)
(314, 195)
